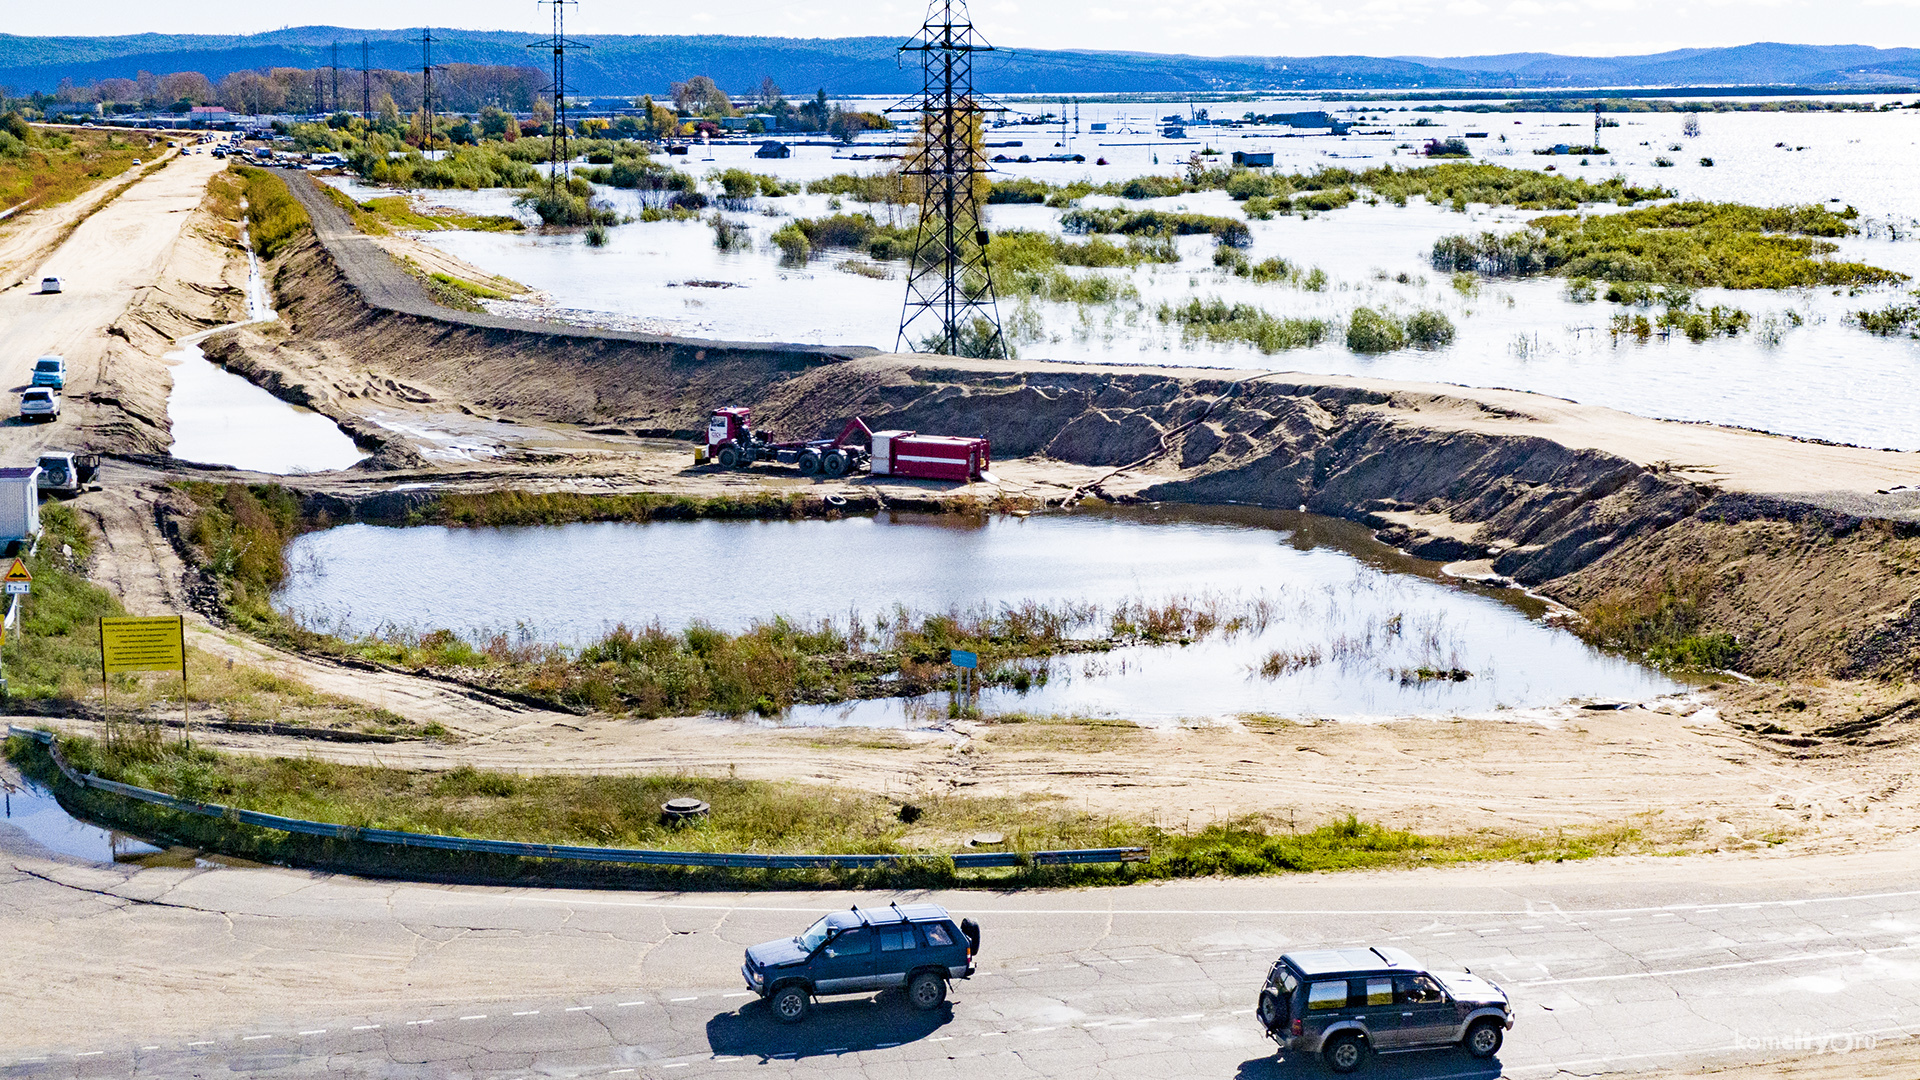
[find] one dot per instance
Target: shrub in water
(1429, 329)
(1370, 331)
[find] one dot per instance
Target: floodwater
(1373, 614)
(1801, 370)
(219, 418)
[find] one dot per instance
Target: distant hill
(618, 65)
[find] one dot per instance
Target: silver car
(40, 403)
(1343, 1003)
(49, 284)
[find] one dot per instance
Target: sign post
(145, 643)
(967, 662)
(19, 583)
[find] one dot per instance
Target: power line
(557, 153)
(949, 284)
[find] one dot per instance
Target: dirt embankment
(1804, 552)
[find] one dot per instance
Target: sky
(1203, 27)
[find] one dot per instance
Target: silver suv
(1342, 1003)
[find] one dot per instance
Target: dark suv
(1341, 1003)
(918, 947)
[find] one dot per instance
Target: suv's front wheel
(1344, 1052)
(1484, 1038)
(927, 991)
(789, 1004)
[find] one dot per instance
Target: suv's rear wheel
(1344, 1052)
(927, 991)
(789, 1004)
(1484, 1038)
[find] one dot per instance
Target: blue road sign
(962, 658)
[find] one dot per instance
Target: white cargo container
(19, 504)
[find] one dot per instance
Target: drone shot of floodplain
(940, 540)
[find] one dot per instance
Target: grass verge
(44, 167)
(747, 815)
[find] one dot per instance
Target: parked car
(50, 285)
(40, 403)
(917, 947)
(63, 472)
(1344, 1003)
(50, 371)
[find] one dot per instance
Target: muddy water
(1813, 376)
(1372, 616)
(219, 418)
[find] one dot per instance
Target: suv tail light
(1299, 1028)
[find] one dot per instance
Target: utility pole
(949, 284)
(366, 83)
(426, 88)
(557, 153)
(1596, 128)
(336, 76)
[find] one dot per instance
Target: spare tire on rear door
(972, 930)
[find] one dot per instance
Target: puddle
(1359, 618)
(31, 811)
(219, 418)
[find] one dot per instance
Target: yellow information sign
(143, 643)
(17, 572)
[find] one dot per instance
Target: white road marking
(1801, 959)
(618, 1071)
(202, 1042)
(366, 1027)
(149, 1048)
(579, 1008)
(529, 1012)
(834, 1050)
(941, 1038)
(315, 1031)
(684, 999)
(743, 993)
(417, 1023)
(618, 1005)
(481, 1016)
(90, 1053)
(675, 1065)
(253, 1038)
(885, 1046)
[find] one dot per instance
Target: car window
(897, 939)
(938, 935)
(855, 942)
(1327, 995)
(815, 934)
(1416, 990)
(1380, 991)
(1288, 984)
(47, 365)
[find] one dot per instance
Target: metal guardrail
(730, 860)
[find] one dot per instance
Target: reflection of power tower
(557, 154)
(949, 286)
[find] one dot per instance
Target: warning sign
(17, 573)
(143, 643)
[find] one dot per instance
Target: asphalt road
(1613, 966)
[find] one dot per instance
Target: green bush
(274, 216)
(1156, 223)
(1216, 320)
(1429, 329)
(792, 242)
(1370, 331)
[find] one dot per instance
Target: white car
(49, 284)
(40, 403)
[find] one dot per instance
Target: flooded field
(219, 418)
(1800, 369)
(1359, 629)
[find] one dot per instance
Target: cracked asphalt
(1615, 966)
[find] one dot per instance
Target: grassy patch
(1661, 618)
(855, 232)
(1217, 320)
(1891, 321)
(1693, 244)
(383, 215)
(274, 217)
(45, 166)
(1230, 231)
(623, 811)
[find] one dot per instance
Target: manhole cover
(986, 839)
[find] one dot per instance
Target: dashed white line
(202, 1042)
(743, 993)
(618, 1005)
(675, 1065)
(366, 1027)
(579, 1008)
(481, 1016)
(315, 1031)
(149, 1048)
(417, 1023)
(90, 1053)
(941, 1038)
(834, 1050)
(529, 1012)
(254, 1038)
(1624, 919)
(695, 998)
(617, 1072)
(885, 1046)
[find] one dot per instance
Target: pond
(1351, 620)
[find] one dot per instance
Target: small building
(772, 149)
(1253, 158)
(19, 506)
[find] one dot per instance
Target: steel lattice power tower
(558, 154)
(950, 304)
